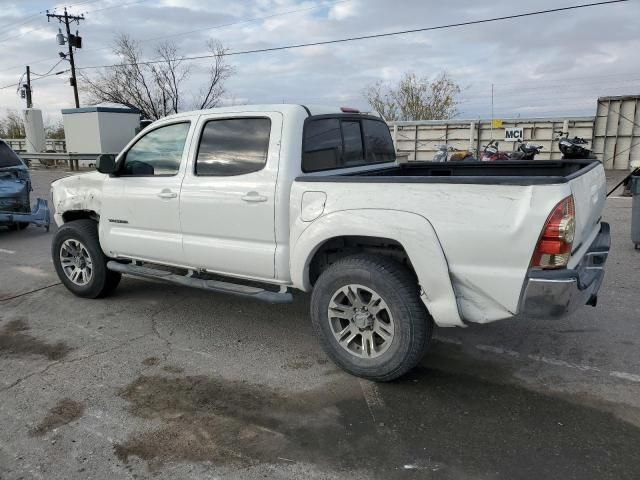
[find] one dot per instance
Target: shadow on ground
(441, 423)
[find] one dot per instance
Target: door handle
(167, 194)
(254, 197)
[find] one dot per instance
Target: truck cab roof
(285, 108)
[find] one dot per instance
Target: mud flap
(39, 217)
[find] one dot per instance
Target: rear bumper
(40, 216)
(555, 293)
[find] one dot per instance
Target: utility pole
(492, 111)
(27, 88)
(72, 41)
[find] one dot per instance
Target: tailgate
(589, 192)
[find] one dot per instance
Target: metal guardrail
(72, 160)
(51, 144)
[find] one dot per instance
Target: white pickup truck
(259, 200)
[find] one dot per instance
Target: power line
(277, 14)
(34, 16)
(116, 6)
(25, 20)
(239, 22)
(38, 78)
(50, 70)
(368, 37)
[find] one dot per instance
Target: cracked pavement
(161, 381)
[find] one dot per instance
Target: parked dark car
(15, 186)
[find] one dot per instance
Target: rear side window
(322, 145)
(330, 143)
(233, 146)
(378, 142)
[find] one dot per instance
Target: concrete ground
(166, 382)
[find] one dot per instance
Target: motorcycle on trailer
(526, 151)
(442, 155)
(573, 148)
(492, 153)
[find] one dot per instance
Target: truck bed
(487, 217)
(536, 172)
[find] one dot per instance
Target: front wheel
(79, 261)
(367, 312)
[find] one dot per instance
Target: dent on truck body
(78, 193)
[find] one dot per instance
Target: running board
(211, 285)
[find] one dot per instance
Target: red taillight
(554, 247)
(349, 110)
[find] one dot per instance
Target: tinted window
(322, 145)
(159, 152)
(8, 157)
(345, 142)
(352, 135)
(233, 146)
(377, 141)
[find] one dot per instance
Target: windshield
(8, 157)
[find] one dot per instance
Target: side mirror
(106, 163)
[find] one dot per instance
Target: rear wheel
(79, 261)
(368, 315)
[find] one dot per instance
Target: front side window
(233, 146)
(158, 153)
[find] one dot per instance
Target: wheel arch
(407, 234)
(72, 215)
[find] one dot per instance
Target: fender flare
(414, 232)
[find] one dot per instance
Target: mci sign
(513, 134)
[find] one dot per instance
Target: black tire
(18, 226)
(103, 281)
(398, 287)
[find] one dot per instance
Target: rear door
(227, 202)
(140, 216)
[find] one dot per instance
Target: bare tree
(219, 71)
(156, 89)
(12, 125)
(54, 129)
(415, 98)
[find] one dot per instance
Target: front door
(227, 202)
(140, 216)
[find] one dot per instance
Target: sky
(548, 65)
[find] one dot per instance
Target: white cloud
(551, 63)
(344, 10)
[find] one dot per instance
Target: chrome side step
(211, 285)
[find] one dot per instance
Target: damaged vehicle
(256, 201)
(15, 190)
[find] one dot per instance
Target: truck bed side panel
(487, 232)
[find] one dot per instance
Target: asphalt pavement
(162, 382)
